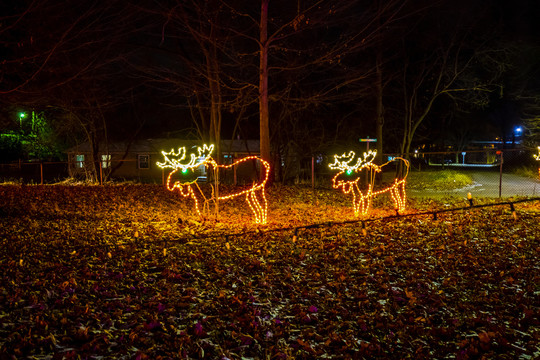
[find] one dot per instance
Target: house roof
(157, 145)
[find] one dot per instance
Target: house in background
(137, 160)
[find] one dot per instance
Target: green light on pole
(21, 116)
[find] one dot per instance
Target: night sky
(146, 69)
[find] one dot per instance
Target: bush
(527, 171)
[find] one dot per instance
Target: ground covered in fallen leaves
(127, 272)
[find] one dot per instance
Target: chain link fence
(492, 173)
(483, 173)
(36, 172)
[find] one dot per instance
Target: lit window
(105, 161)
(79, 161)
(144, 161)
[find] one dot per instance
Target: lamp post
(21, 116)
(517, 132)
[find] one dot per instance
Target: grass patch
(438, 180)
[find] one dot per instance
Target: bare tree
(437, 58)
(295, 44)
(195, 59)
(523, 86)
(72, 67)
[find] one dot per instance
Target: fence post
(41, 171)
(100, 173)
(500, 175)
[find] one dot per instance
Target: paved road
(486, 184)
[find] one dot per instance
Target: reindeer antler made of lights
(537, 156)
(174, 160)
(342, 162)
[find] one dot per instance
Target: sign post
(367, 140)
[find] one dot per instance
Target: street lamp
(21, 116)
(515, 134)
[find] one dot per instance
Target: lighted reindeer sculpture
(353, 169)
(188, 186)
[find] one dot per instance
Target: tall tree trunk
(379, 92)
(380, 109)
(263, 86)
(214, 83)
(379, 114)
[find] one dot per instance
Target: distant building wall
(139, 162)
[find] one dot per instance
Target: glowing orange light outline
(362, 202)
(174, 161)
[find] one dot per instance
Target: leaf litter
(129, 272)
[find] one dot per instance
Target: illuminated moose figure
(255, 195)
(351, 172)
